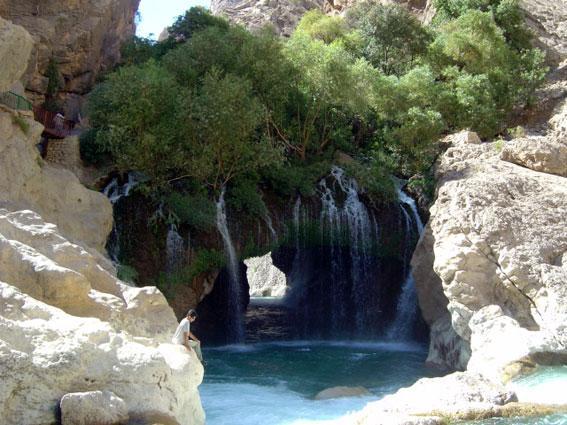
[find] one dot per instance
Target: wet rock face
(82, 36)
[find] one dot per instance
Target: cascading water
(235, 313)
(175, 251)
(114, 191)
(407, 308)
(339, 296)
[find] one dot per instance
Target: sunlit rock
(100, 407)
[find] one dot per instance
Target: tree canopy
(217, 106)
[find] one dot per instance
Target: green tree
(139, 50)
(54, 84)
(138, 113)
(331, 84)
(485, 77)
(194, 20)
(506, 13)
(392, 39)
(319, 26)
(226, 118)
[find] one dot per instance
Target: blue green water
(274, 383)
(546, 420)
(547, 385)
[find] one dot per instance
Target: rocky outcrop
(15, 48)
(498, 240)
(452, 398)
(538, 153)
(68, 325)
(282, 16)
(82, 36)
(548, 20)
(100, 407)
(26, 182)
(265, 279)
(545, 153)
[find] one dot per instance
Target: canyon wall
(71, 333)
(83, 37)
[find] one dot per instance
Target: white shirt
(184, 326)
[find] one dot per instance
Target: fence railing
(55, 124)
(15, 101)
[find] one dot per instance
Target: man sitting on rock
(184, 336)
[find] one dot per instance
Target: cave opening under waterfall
(347, 275)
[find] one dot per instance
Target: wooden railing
(15, 101)
(55, 124)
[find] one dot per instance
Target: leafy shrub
(197, 210)
(245, 198)
(127, 273)
(92, 152)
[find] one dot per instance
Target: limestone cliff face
(70, 331)
(67, 325)
(82, 36)
(26, 182)
(496, 238)
(15, 48)
(283, 15)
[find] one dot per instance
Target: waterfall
(333, 284)
(270, 225)
(175, 251)
(235, 313)
(407, 307)
(114, 192)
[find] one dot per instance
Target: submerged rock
(339, 392)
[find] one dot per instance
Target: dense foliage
(216, 106)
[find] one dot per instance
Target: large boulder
(15, 48)
(433, 401)
(67, 325)
(499, 237)
(265, 279)
(93, 408)
(539, 154)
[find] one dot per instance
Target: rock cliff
(82, 36)
(283, 15)
(70, 331)
(68, 325)
(15, 45)
(27, 182)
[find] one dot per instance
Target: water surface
(274, 383)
